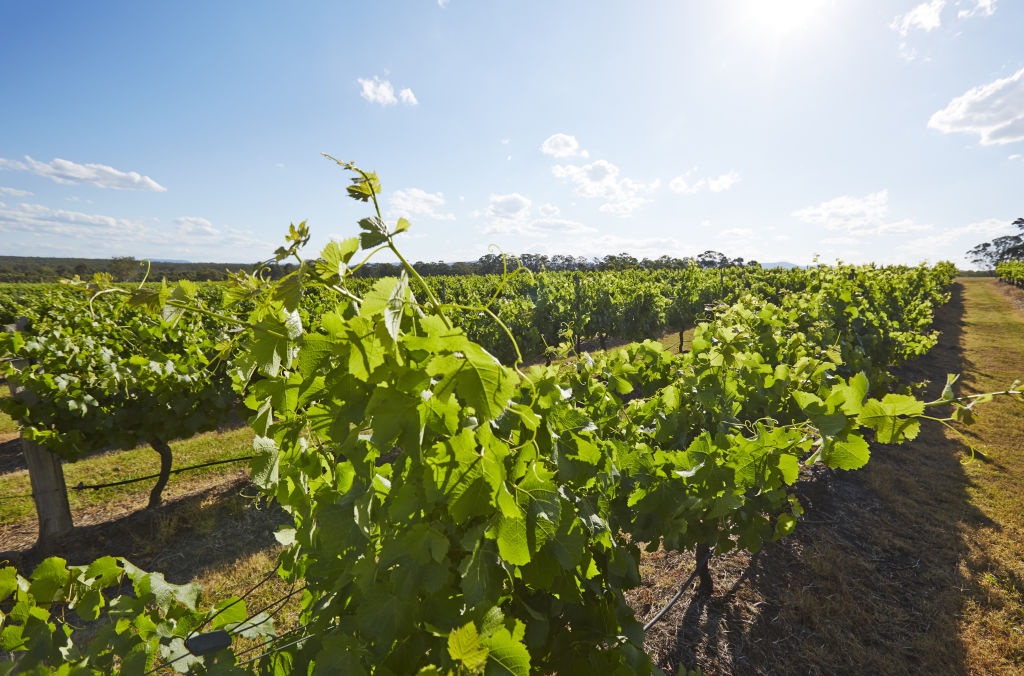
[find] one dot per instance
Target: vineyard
(1011, 272)
(472, 478)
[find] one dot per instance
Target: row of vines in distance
(455, 515)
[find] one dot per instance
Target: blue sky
(768, 129)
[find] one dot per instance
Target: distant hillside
(782, 264)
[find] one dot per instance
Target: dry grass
(911, 565)
(18, 514)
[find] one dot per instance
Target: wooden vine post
(46, 475)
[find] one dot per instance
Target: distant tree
(123, 268)
(712, 259)
(1005, 248)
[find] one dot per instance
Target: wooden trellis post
(46, 475)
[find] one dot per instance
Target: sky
(773, 130)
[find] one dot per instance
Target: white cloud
(510, 214)
(907, 52)
(47, 229)
(990, 227)
(195, 226)
(927, 17)
(383, 92)
(416, 202)
(378, 91)
(686, 185)
(602, 245)
(508, 207)
(983, 7)
(408, 98)
(13, 164)
(65, 171)
(723, 182)
(14, 192)
(995, 112)
(563, 145)
(600, 179)
(868, 215)
(40, 220)
(840, 241)
(443, 3)
(743, 233)
(1015, 156)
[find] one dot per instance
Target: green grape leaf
(513, 544)
(49, 580)
(228, 611)
(465, 648)
(847, 451)
(264, 469)
(507, 654)
(885, 417)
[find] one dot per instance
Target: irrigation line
(282, 647)
(237, 629)
(82, 486)
(679, 593)
(251, 589)
(268, 641)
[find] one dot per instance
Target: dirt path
(914, 564)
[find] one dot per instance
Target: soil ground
(914, 564)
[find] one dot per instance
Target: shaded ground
(884, 571)
(911, 565)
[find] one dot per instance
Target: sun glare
(781, 18)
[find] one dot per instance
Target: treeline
(122, 269)
(27, 269)
(492, 264)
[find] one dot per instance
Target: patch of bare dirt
(868, 583)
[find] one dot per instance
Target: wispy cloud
(982, 7)
(408, 98)
(14, 192)
(512, 214)
(416, 202)
(868, 215)
(101, 175)
(926, 17)
(383, 92)
(601, 180)
(994, 111)
(688, 184)
(562, 145)
(100, 235)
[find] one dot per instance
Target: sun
(782, 18)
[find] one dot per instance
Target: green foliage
(136, 630)
(455, 515)
(103, 374)
(1011, 271)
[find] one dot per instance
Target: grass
(914, 564)
(992, 567)
(119, 465)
